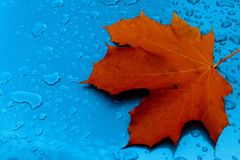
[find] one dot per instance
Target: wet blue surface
(48, 46)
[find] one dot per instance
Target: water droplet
(3, 140)
(195, 133)
(119, 116)
(226, 24)
(193, 1)
(109, 2)
(33, 99)
(229, 105)
(38, 29)
(115, 154)
(57, 4)
(231, 13)
(72, 79)
(130, 155)
(130, 2)
(38, 132)
(180, 158)
(220, 38)
(5, 77)
(12, 159)
(51, 79)
(23, 135)
(198, 145)
(189, 12)
(10, 103)
(18, 125)
(86, 135)
(235, 39)
(23, 71)
(73, 110)
(224, 3)
(234, 158)
(34, 149)
(199, 157)
(42, 116)
(65, 19)
(204, 149)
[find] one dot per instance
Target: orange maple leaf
(175, 63)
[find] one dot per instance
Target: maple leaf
(175, 63)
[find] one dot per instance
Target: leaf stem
(226, 58)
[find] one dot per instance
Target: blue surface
(47, 47)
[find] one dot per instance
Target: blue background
(48, 47)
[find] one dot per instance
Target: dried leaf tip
(175, 16)
(141, 13)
